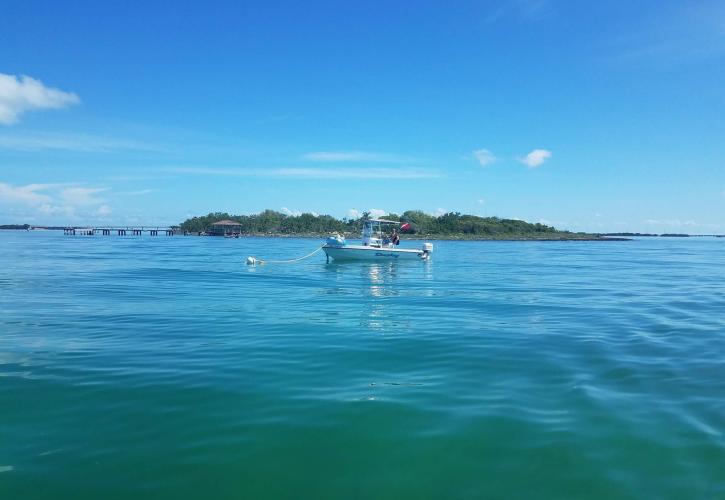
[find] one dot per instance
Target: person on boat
(394, 238)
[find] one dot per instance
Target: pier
(121, 231)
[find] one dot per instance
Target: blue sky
(606, 116)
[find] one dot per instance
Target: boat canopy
(383, 221)
(372, 231)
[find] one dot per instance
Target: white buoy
(251, 261)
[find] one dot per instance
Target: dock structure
(121, 231)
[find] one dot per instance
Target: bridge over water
(121, 231)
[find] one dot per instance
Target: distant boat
(376, 245)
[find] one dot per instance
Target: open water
(163, 367)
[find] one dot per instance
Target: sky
(589, 116)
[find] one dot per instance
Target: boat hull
(366, 253)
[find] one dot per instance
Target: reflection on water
(377, 314)
(381, 278)
(382, 287)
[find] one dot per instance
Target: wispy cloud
(287, 211)
(140, 177)
(375, 213)
(354, 156)
(355, 173)
(54, 200)
(536, 158)
(21, 94)
(103, 211)
(32, 194)
(82, 143)
(82, 196)
(484, 157)
(682, 31)
(311, 173)
(138, 192)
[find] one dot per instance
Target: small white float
(375, 246)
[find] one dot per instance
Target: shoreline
(408, 237)
(588, 237)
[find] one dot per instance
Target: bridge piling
(120, 231)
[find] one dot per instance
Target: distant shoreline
(435, 237)
(409, 237)
(563, 236)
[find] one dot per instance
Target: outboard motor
(427, 250)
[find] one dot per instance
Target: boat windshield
(375, 229)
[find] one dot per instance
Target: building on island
(225, 228)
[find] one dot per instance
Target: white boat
(375, 245)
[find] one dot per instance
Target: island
(419, 225)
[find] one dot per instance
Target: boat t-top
(376, 245)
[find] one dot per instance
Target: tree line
(449, 224)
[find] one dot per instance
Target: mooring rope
(252, 260)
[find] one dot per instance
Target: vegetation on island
(451, 225)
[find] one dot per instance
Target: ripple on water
(168, 368)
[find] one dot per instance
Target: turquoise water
(142, 367)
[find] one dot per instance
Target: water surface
(163, 367)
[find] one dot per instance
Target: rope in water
(252, 260)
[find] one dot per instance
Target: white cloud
(535, 158)
(21, 94)
(440, 211)
(81, 196)
(48, 209)
(287, 211)
(311, 173)
(103, 211)
(39, 141)
(350, 173)
(484, 157)
(352, 156)
(24, 195)
(481, 201)
(139, 192)
(63, 202)
(375, 213)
